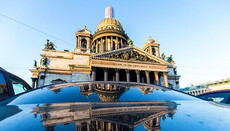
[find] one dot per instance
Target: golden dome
(109, 24)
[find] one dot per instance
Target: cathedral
(106, 55)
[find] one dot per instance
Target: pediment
(130, 119)
(130, 54)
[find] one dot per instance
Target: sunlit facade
(106, 55)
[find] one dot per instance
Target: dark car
(111, 106)
(11, 84)
(221, 96)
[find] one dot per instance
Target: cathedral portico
(115, 74)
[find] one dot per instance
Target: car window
(223, 97)
(3, 87)
(19, 86)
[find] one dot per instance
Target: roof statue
(49, 45)
(43, 61)
(163, 56)
(130, 42)
(84, 29)
(35, 63)
(170, 59)
(109, 12)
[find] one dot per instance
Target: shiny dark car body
(111, 106)
(11, 84)
(220, 96)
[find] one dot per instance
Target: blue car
(111, 106)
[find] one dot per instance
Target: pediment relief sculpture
(132, 56)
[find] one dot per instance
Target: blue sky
(195, 32)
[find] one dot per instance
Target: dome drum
(109, 36)
(107, 43)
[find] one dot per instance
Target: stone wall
(81, 60)
(59, 63)
(77, 76)
(48, 77)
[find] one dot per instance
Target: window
(153, 51)
(83, 43)
(3, 87)
(223, 97)
(19, 86)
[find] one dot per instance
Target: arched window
(83, 43)
(153, 51)
(113, 46)
(99, 48)
(118, 45)
(104, 46)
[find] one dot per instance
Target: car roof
(128, 105)
(100, 91)
(1, 69)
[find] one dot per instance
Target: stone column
(138, 76)
(78, 41)
(109, 126)
(102, 45)
(78, 125)
(158, 52)
(88, 125)
(102, 125)
(88, 43)
(127, 75)
(150, 50)
(117, 42)
(158, 120)
(105, 74)
(165, 79)
(156, 78)
(106, 42)
(117, 74)
(93, 77)
(96, 46)
(34, 82)
(112, 42)
(122, 43)
(147, 77)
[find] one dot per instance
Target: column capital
(147, 73)
(117, 74)
(137, 71)
(116, 69)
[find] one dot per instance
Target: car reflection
(107, 92)
(107, 114)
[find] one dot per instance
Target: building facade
(209, 86)
(196, 90)
(106, 55)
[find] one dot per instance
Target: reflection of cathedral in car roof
(106, 55)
